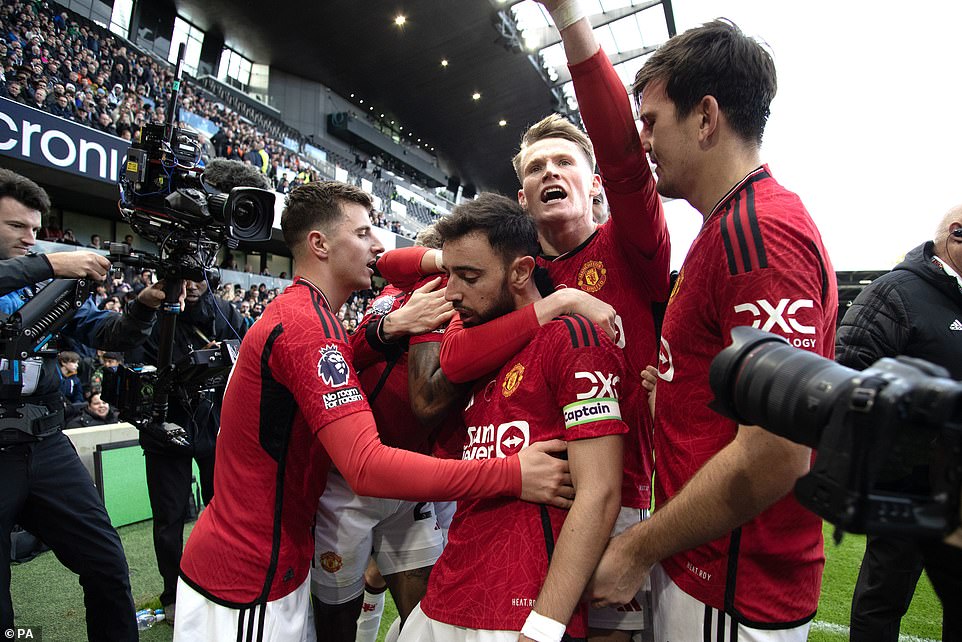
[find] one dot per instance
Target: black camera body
(133, 389)
(888, 438)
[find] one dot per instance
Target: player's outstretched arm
(606, 111)
(405, 266)
(747, 476)
(586, 528)
(376, 470)
(469, 353)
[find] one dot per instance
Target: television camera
(165, 198)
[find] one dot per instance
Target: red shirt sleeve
(402, 267)
(469, 353)
(636, 209)
(375, 470)
(365, 342)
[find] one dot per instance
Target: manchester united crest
(674, 288)
(512, 380)
(330, 562)
(592, 276)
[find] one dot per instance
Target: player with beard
(623, 262)
(292, 409)
(567, 382)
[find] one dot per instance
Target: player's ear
(318, 244)
(521, 270)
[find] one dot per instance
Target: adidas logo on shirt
(956, 325)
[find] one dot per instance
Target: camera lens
(245, 213)
(761, 380)
(249, 214)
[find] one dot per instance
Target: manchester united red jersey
(625, 263)
(397, 424)
(758, 261)
(292, 377)
(568, 383)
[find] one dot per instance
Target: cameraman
(46, 488)
(206, 319)
(914, 310)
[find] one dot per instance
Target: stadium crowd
(72, 68)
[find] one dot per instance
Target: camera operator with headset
(206, 319)
(46, 488)
(915, 310)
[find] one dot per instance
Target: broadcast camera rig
(165, 199)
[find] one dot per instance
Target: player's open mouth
(553, 194)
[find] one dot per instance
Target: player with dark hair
(729, 549)
(568, 382)
(292, 409)
(623, 262)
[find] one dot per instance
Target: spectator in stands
(95, 242)
(70, 385)
(39, 100)
(14, 91)
(97, 412)
(69, 238)
(111, 303)
(62, 108)
(143, 280)
(99, 294)
(105, 124)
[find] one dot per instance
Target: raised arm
(635, 206)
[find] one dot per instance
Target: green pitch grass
(46, 594)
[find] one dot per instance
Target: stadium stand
(72, 68)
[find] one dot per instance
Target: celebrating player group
(517, 435)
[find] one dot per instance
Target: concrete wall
(85, 440)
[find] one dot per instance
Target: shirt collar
(948, 270)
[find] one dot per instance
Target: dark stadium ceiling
(354, 46)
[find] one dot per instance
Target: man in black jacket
(914, 310)
(206, 320)
(45, 487)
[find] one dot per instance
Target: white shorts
(445, 512)
(421, 628)
(349, 529)
(679, 616)
(288, 619)
(636, 615)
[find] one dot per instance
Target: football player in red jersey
(513, 566)
(292, 408)
(728, 548)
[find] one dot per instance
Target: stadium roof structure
(466, 77)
